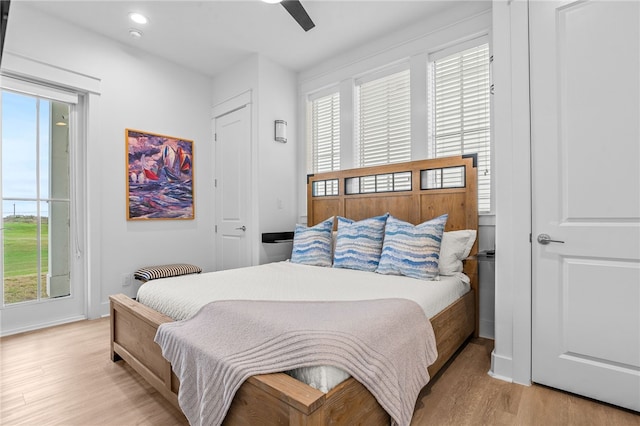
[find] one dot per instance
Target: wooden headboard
(415, 191)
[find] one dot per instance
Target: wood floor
(63, 376)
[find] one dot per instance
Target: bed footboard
(274, 399)
(133, 328)
(269, 399)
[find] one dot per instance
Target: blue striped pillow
(312, 246)
(359, 244)
(413, 251)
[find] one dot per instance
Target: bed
(415, 192)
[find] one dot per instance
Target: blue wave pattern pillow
(359, 244)
(413, 251)
(312, 246)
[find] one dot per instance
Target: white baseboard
(41, 325)
(105, 309)
(501, 367)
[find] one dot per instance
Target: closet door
(585, 98)
(233, 189)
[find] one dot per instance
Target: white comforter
(181, 297)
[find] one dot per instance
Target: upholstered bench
(149, 273)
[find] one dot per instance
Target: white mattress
(181, 297)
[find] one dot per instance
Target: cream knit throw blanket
(385, 344)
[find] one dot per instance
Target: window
(366, 120)
(325, 133)
(383, 119)
(460, 112)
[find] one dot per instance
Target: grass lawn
(21, 258)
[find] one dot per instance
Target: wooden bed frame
(278, 399)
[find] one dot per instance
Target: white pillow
(456, 246)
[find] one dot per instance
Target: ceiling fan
(295, 9)
(4, 20)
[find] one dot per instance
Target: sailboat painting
(159, 176)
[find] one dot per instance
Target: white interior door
(585, 94)
(233, 192)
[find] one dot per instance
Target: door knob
(242, 228)
(546, 239)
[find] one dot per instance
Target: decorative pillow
(149, 273)
(359, 244)
(411, 250)
(312, 246)
(334, 239)
(456, 246)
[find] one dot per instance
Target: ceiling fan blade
(295, 9)
(4, 20)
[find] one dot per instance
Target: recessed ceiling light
(272, 1)
(135, 33)
(138, 18)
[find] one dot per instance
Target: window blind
(383, 119)
(325, 133)
(461, 112)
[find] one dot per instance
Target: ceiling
(208, 36)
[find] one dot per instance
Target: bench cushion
(149, 273)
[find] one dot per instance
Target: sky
(19, 148)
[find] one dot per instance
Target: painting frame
(159, 176)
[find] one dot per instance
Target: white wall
(137, 91)
(277, 167)
(235, 80)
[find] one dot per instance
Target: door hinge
(216, 228)
(530, 237)
(215, 137)
(215, 183)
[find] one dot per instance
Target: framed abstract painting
(159, 176)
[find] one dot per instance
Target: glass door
(37, 224)
(35, 198)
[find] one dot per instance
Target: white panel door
(585, 112)
(233, 195)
